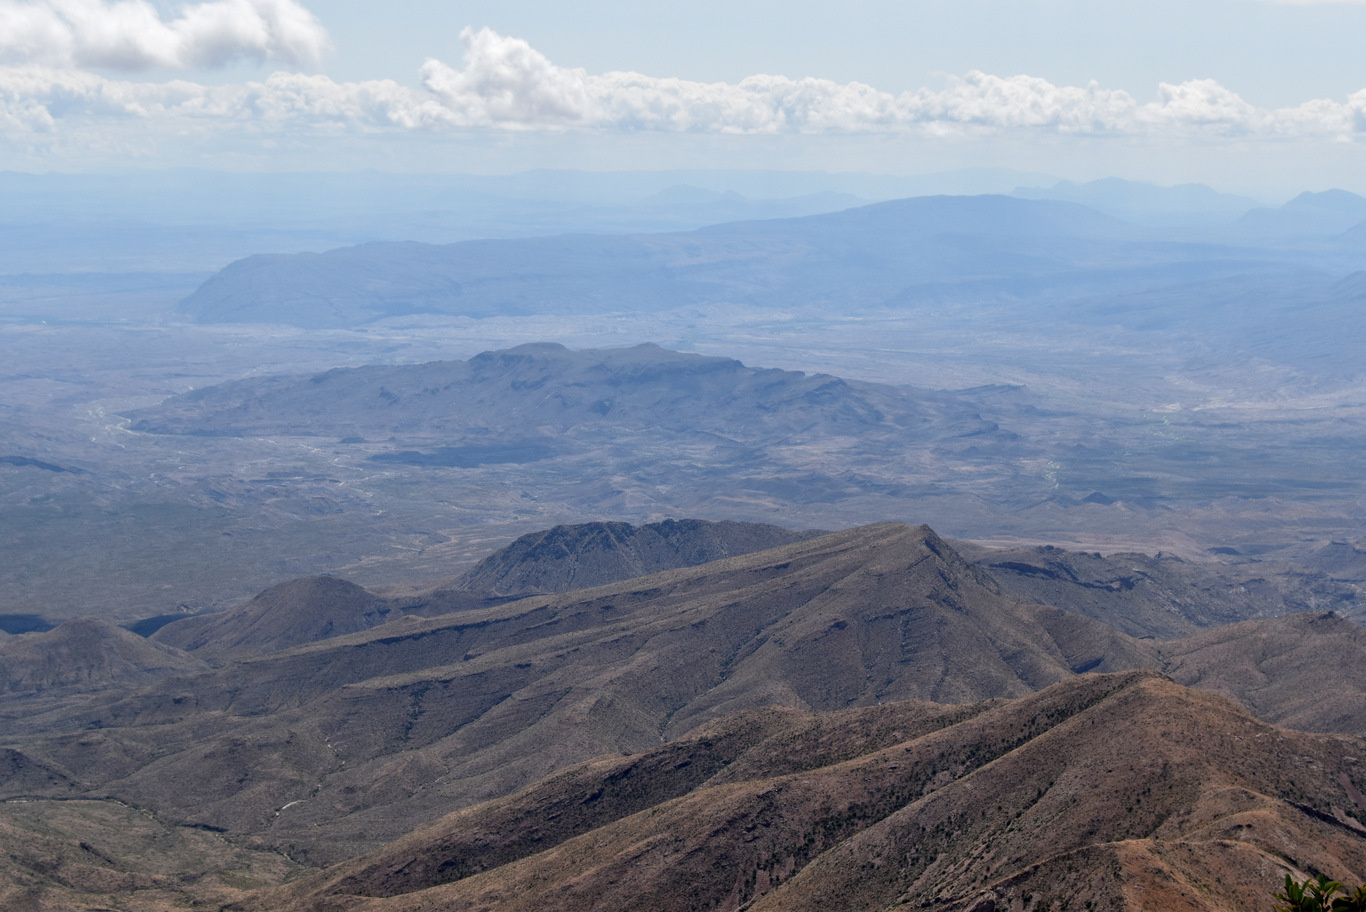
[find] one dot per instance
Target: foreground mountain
(1303, 670)
(100, 855)
(330, 749)
(364, 735)
(333, 747)
(1117, 791)
(1122, 791)
(567, 557)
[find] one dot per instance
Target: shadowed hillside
(363, 735)
(290, 614)
(1119, 791)
(332, 748)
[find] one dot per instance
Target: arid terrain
(137, 507)
(960, 553)
(866, 694)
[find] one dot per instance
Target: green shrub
(1319, 895)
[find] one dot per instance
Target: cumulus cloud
(131, 35)
(505, 84)
(507, 81)
(38, 98)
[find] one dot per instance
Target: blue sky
(1271, 53)
(1249, 95)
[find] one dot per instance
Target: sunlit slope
(1116, 791)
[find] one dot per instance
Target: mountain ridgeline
(1289, 275)
(1117, 791)
(595, 554)
(863, 256)
(857, 719)
(306, 610)
(403, 632)
(503, 397)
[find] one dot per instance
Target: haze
(537, 456)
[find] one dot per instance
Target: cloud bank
(504, 84)
(130, 34)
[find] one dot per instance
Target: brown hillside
(1307, 671)
(599, 553)
(293, 613)
(74, 856)
(1162, 596)
(1116, 791)
(86, 654)
(333, 748)
(363, 736)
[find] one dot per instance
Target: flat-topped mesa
(533, 395)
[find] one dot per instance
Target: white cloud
(504, 84)
(43, 97)
(506, 81)
(130, 34)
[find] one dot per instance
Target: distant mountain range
(1185, 205)
(861, 257)
(459, 694)
(526, 403)
(984, 250)
(394, 472)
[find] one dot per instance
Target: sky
(1246, 95)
